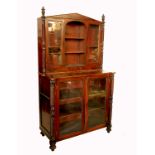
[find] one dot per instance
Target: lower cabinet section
(75, 105)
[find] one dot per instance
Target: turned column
(43, 42)
(52, 115)
(109, 105)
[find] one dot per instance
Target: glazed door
(54, 40)
(96, 103)
(70, 107)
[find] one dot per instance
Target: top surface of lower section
(79, 74)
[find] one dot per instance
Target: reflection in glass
(96, 117)
(70, 127)
(93, 54)
(54, 42)
(93, 35)
(97, 86)
(96, 102)
(70, 93)
(54, 29)
(55, 59)
(93, 43)
(70, 89)
(70, 106)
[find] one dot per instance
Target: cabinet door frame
(87, 129)
(55, 66)
(72, 134)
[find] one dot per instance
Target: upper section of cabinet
(69, 42)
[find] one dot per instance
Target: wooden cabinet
(75, 95)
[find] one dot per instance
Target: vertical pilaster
(110, 100)
(43, 42)
(52, 115)
(52, 109)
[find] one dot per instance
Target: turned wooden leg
(108, 127)
(52, 145)
(42, 133)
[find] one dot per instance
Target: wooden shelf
(70, 100)
(75, 65)
(93, 109)
(70, 117)
(54, 46)
(70, 127)
(74, 52)
(70, 112)
(97, 94)
(72, 87)
(74, 37)
(55, 53)
(93, 46)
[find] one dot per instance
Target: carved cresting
(52, 110)
(43, 41)
(102, 40)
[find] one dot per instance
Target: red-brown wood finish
(70, 56)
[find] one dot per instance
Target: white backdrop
(119, 56)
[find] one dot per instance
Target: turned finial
(43, 11)
(103, 18)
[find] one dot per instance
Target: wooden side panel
(44, 104)
(44, 85)
(45, 112)
(40, 45)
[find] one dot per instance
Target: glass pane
(54, 42)
(71, 89)
(70, 127)
(93, 35)
(55, 59)
(93, 55)
(70, 107)
(54, 29)
(66, 109)
(96, 102)
(96, 117)
(70, 93)
(97, 87)
(93, 43)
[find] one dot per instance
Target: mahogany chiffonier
(75, 94)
